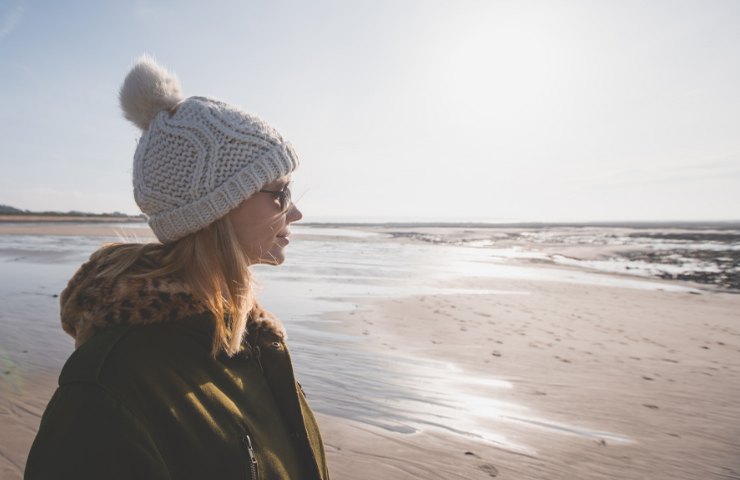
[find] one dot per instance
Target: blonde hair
(211, 263)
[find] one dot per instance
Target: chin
(277, 259)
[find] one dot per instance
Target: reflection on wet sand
(406, 394)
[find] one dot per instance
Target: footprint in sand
(489, 469)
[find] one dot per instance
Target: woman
(177, 372)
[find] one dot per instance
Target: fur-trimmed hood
(91, 303)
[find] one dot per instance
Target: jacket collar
(91, 303)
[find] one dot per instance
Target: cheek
(256, 242)
(256, 227)
(244, 234)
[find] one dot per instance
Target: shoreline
(564, 248)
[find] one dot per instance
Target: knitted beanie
(197, 158)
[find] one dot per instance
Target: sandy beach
(540, 370)
(657, 370)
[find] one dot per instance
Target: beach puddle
(408, 268)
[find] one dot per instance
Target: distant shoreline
(718, 224)
(108, 218)
(55, 218)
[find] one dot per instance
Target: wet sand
(542, 379)
(615, 383)
(73, 226)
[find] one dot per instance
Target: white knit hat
(198, 158)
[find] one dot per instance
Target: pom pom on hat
(147, 90)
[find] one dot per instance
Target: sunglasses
(282, 195)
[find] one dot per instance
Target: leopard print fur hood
(91, 303)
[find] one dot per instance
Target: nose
(293, 214)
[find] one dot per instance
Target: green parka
(142, 397)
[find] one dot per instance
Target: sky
(426, 110)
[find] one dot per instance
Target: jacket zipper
(253, 472)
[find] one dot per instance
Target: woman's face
(262, 227)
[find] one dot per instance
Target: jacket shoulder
(87, 362)
(86, 434)
(127, 352)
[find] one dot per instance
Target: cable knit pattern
(193, 166)
(198, 158)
